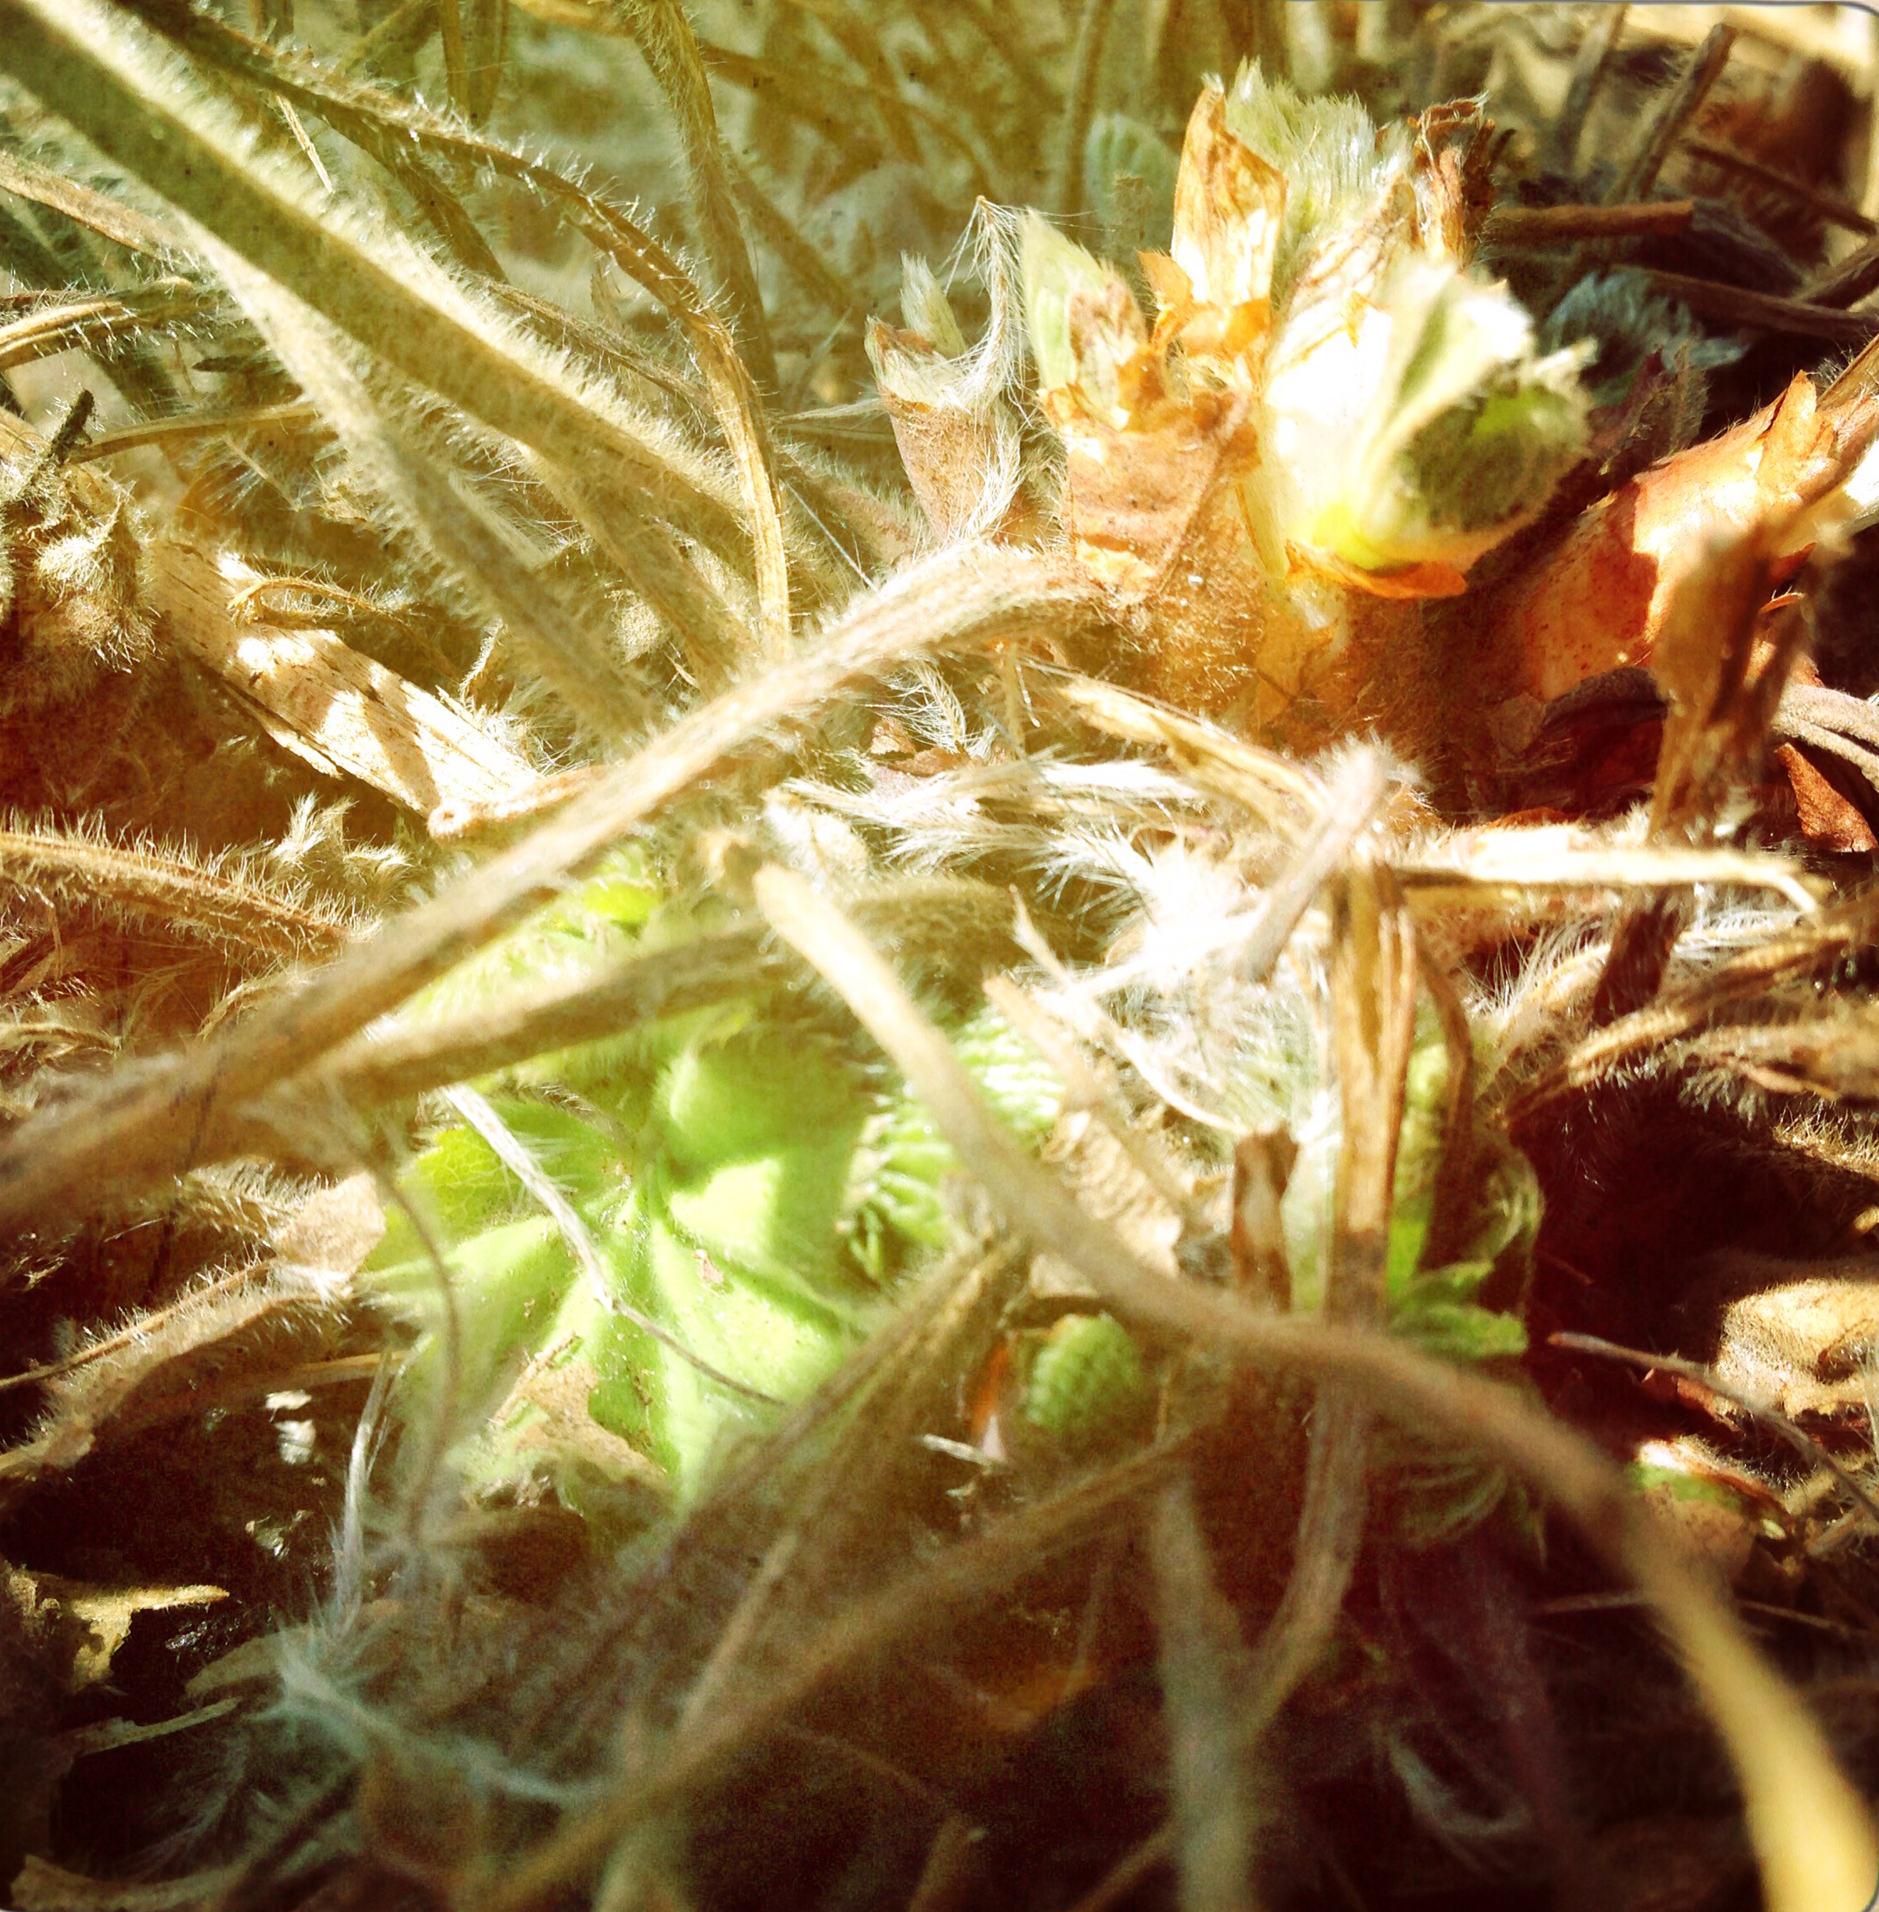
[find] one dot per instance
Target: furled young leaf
(1464, 438)
(1085, 1379)
(1332, 417)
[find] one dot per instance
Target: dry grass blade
(1816, 318)
(1833, 1056)
(111, 78)
(124, 225)
(568, 649)
(1064, 192)
(671, 49)
(1824, 939)
(1269, 786)
(473, 32)
(375, 1069)
(57, 328)
(798, 255)
(1588, 70)
(1784, 185)
(1549, 225)
(802, 96)
(168, 431)
(389, 128)
(1464, 865)
(1678, 109)
(1374, 975)
(1813, 1834)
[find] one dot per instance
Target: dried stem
(1205, 1678)
(1837, 211)
(1824, 939)
(1374, 1018)
(91, 321)
(1812, 1832)
(1678, 109)
(129, 1134)
(124, 225)
(671, 48)
(1588, 70)
(1552, 225)
(211, 900)
(1815, 317)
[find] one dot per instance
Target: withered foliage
(1307, 565)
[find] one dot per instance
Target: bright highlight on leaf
(743, 1195)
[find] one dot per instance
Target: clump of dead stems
(397, 526)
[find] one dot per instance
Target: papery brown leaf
(1228, 207)
(1132, 496)
(953, 448)
(1454, 188)
(1794, 1335)
(1598, 599)
(218, 1340)
(1721, 657)
(1828, 820)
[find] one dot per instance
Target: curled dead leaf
(1598, 600)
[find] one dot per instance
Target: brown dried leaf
(1599, 599)
(1228, 208)
(207, 1347)
(1802, 1345)
(1133, 495)
(341, 712)
(1723, 684)
(75, 1628)
(1828, 820)
(334, 1229)
(958, 439)
(74, 600)
(1454, 163)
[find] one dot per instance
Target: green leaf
(755, 1092)
(1082, 318)
(1461, 1330)
(1086, 1380)
(1465, 433)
